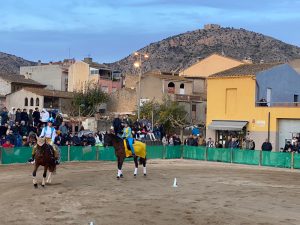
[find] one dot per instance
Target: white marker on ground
(175, 183)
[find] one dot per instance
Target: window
(37, 102)
(31, 102)
(171, 88)
(181, 91)
(94, 71)
(26, 102)
(296, 98)
(194, 115)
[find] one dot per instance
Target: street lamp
(138, 64)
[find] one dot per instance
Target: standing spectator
(251, 145)
(36, 117)
(63, 128)
(171, 141)
(44, 116)
(76, 140)
(245, 143)
(266, 146)
(164, 141)
(18, 115)
(195, 131)
(228, 141)
(189, 140)
(3, 129)
(30, 118)
(91, 140)
(58, 120)
(176, 140)
(288, 147)
(24, 116)
(12, 116)
(234, 143)
(210, 143)
(156, 131)
(4, 116)
(144, 121)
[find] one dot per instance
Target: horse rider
(49, 133)
(127, 134)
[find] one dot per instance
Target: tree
(88, 99)
(169, 113)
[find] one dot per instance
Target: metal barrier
(92, 153)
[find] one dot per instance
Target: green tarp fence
(248, 157)
(219, 154)
(192, 152)
(79, 153)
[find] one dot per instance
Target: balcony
(277, 104)
(189, 98)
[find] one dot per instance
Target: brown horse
(44, 156)
(111, 139)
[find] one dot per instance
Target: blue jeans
(130, 142)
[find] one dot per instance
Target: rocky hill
(180, 51)
(10, 64)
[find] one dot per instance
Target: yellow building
(259, 101)
(210, 65)
(86, 71)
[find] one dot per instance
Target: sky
(109, 30)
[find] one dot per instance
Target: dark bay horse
(111, 139)
(44, 156)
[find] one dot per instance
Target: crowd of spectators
(19, 128)
(141, 129)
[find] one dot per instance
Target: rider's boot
(31, 160)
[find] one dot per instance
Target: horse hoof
(43, 185)
(145, 175)
(118, 177)
(121, 176)
(35, 185)
(134, 175)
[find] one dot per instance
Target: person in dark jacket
(18, 115)
(36, 117)
(24, 116)
(76, 140)
(91, 140)
(266, 146)
(176, 140)
(117, 124)
(4, 116)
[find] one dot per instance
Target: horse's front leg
(35, 184)
(120, 164)
(135, 158)
(44, 176)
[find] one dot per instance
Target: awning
(227, 125)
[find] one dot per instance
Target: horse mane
(116, 137)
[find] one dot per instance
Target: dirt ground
(207, 193)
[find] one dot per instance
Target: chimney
(88, 60)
